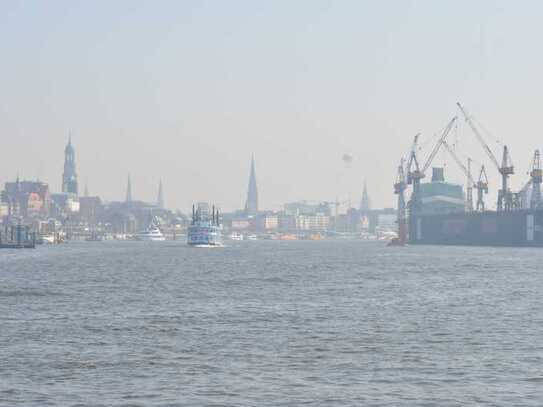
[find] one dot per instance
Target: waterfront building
(317, 222)
(69, 176)
(307, 208)
(266, 222)
(251, 205)
(90, 208)
(27, 198)
(64, 204)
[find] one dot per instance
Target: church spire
(365, 203)
(69, 176)
(129, 190)
(160, 197)
(251, 205)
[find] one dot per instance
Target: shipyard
(439, 212)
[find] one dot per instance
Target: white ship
(236, 236)
(151, 234)
(204, 230)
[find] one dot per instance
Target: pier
(17, 237)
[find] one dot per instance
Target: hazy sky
(186, 91)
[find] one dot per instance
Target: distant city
(68, 215)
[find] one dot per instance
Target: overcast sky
(186, 91)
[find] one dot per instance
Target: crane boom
(438, 144)
(479, 137)
(466, 172)
(412, 159)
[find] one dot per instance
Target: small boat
(252, 237)
(236, 236)
(151, 234)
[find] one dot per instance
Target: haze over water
(329, 323)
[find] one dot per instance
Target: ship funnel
(438, 174)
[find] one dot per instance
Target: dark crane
(482, 188)
(536, 176)
(505, 198)
(399, 189)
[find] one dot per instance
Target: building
(90, 209)
(64, 204)
(318, 222)
(69, 176)
(27, 198)
(307, 208)
(267, 222)
(251, 205)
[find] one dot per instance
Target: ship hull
(522, 228)
(204, 235)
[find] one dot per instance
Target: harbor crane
(505, 198)
(414, 176)
(467, 172)
(399, 189)
(482, 188)
(536, 176)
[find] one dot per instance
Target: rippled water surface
(270, 323)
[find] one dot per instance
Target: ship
(151, 234)
(205, 227)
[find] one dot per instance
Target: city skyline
(193, 94)
(69, 184)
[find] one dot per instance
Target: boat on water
(236, 236)
(151, 234)
(252, 237)
(205, 228)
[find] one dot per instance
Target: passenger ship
(204, 230)
(151, 234)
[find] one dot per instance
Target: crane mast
(469, 188)
(536, 176)
(399, 189)
(414, 177)
(482, 188)
(505, 198)
(467, 172)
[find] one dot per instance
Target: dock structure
(17, 237)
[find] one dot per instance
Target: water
(270, 324)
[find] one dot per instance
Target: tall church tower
(128, 190)
(251, 205)
(69, 176)
(365, 203)
(160, 197)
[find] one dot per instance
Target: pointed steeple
(69, 176)
(365, 203)
(86, 191)
(129, 190)
(160, 197)
(251, 205)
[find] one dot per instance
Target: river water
(266, 323)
